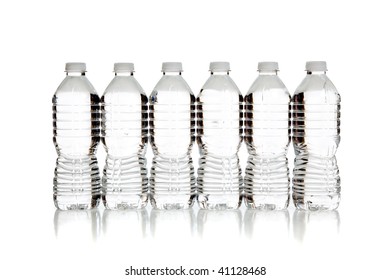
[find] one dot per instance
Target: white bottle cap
(316, 66)
(267, 66)
(172, 67)
(75, 67)
(122, 67)
(219, 66)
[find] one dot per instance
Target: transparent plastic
(267, 135)
(76, 129)
(316, 136)
(124, 135)
(172, 129)
(220, 122)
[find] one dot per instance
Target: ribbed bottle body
(172, 129)
(76, 129)
(267, 135)
(220, 122)
(316, 136)
(124, 135)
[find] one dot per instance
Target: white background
(38, 37)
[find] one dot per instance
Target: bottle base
(266, 206)
(223, 202)
(77, 206)
(172, 202)
(317, 203)
(125, 203)
(267, 202)
(219, 206)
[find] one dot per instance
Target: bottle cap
(172, 67)
(316, 66)
(267, 66)
(75, 67)
(219, 66)
(121, 67)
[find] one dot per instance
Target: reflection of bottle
(77, 226)
(317, 225)
(124, 131)
(173, 225)
(316, 136)
(126, 225)
(267, 135)
(219, 225)
(172, 129)
(219, 139)
(76, 128)
(267, 225)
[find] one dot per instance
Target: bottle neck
(219, 73)
(268, 72)
(172, 73)
(75, 74)
(123, 74)
(316, 72)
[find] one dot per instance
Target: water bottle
(220, 115)
(316, 136)
(267, 135)
(172, 129)
(124, 135)
(76, 129)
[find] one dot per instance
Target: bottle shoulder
(79, 85)
(316, 89)
(269, 89)
(219, 83)
(168, 84)
(123, 87)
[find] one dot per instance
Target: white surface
(36, 243)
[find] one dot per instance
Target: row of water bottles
(124, 119)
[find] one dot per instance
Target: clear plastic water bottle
(220, 115)
(316, 136)
(172, 129)
(124, 131)
(267, 135)
(76, 129)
